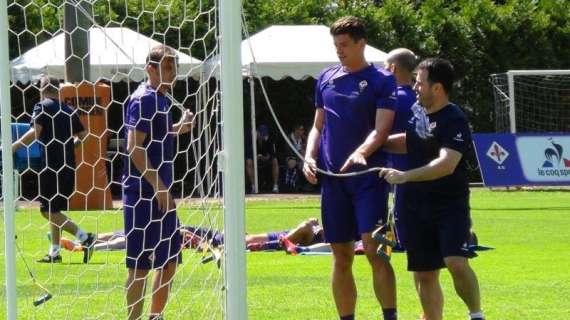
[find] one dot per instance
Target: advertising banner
(514, 160)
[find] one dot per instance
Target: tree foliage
(480, 37)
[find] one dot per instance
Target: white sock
(81, 235)
(476, 315)
(54, 250)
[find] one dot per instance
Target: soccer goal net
(532, 101)
(97, 53)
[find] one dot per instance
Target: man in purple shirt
(401, 62)
(355, 104)
(151, 224)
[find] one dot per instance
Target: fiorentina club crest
(362, 85)
(497, 153)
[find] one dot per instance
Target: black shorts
(429, 241)
(56, 188)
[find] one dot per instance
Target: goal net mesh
(120, 36)
(541, 102)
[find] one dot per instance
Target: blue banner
(516, 160)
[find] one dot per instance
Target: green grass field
(526, 277)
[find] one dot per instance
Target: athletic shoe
(88, 247)
(70, 245)
(384, 252)
(359, 248)
(275, 189)
(290, 247)
(385, 236)
(49, 259)
(379, 235)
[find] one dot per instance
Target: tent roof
(294, 51)
(107, 61)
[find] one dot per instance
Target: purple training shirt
(350, 101)
(148, 111)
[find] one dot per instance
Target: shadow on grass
(530, 189)
(523, 209)
(285, 207)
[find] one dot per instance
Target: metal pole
(233, 163)
(76, 27)
(512, 113)
(253, 133)
(7, 169)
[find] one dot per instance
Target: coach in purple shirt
(355, 104)
(151, 224)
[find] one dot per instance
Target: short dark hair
(439, 71)
(350, 25)
(49, 85)
(158, 53)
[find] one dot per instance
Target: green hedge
(480, 37)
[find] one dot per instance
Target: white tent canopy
(289, 51)
(294, 51)
(107, 60)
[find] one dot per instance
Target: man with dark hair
(151, 223)
(437, 218)
(54, 124)
(355, 104)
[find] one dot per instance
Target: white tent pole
(7, 169)
(253, 132)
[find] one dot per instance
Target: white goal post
(532, 101)
(7, 170)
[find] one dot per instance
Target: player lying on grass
(306, 233)
(325, 247)
(305, 238)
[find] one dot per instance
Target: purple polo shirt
(350, 101)
(148, 111)
(406, 99)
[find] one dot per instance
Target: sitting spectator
(266, 157)
(299, 139)
(291, 176)
(293, 179)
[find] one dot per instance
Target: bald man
(401, 62)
